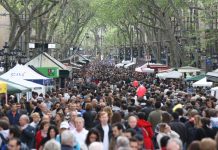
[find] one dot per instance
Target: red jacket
(147, 133)
(38, 139)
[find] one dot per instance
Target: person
(199, 130)
(27, 131)
(155, 116)
(14, 144)
(52, 145)
(132, 123)
(208, 144)
(195, 145)
(92, 136)
(36, 119)
(104, 129)
(117, 130)
(51, 134)
(96, 146)
(174, 144)
(122, 142)
(89, 116)
(42, 133)
(67, 139)
(133, 144)
(73, 116)
(80, 132)
(13, 115)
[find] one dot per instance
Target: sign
(50, 72)
(3, 87)
(147, 58)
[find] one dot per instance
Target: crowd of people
(100, 109)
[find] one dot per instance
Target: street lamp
(9, 58)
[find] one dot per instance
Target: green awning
(196, 78)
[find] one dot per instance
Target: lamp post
(10, 58)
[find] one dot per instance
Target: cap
(64, 124)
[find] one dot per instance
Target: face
(14, 108)
(22, 121)
(12, 145)
(79, 124)
(128, 135)
(45, 128)
(173, 146)
(36, 119)
(133, 145)
(92, 137)
(73, 115)
(104, 119)
(116, 132)
(57, 117)
(132, 122)
(52, 133)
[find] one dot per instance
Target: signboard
(50, 72)
(147, 58)
(3, 87)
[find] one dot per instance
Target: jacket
(14, 120)
(101, 131)
(27, 136)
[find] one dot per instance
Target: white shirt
(106, 137)
(80, 136)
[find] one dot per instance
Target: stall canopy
(15, 88)
(33, 86)
(196, 78)
(169, 75)
(24, 72)
(202, 83)
(212, 76)
(128, 65)
(189, 69)
(156, 66)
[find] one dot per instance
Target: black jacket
(89, 117)
(179, 128)
(101, 131)
(28, 136)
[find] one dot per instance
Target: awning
(196, 78)
(15, 88)
(202, 83)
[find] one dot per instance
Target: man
(80, 132)
(73, 116)
(104, 129)
(117, 130)
(174, 144)
(27, 131)
(155, 116)
(13, 115)
(67, 139)
(14, 144)
(133, 144)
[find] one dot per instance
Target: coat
(27, 136)
(147, 133)
(101, 131)
(14, 120)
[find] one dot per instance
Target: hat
(64, 124)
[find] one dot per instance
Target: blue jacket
(28, 136)
(14, 120)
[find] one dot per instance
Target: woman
(36, 119)
(198, 126)
(52, 133)
(89, 116)
(58, 119)
(92, 136)
(42, 133)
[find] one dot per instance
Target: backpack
(4, 142)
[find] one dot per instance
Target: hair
(208, 144)
(88, 107)
(50, 128)
(15, 131)
(52, 144)
(164, 140)
(80, 119)
(43, 123)
(26, 118)
(116, 117)
(157, 104)
(119, 126)
(195, 145)
(96, 145)
(92, 131)
(102, 113)
(162, 126)
(122, 141)
(166, 117)
(67, 138)
(35, 114)
(4, 124)
(198, 123)
(132, 131)
(177, 141)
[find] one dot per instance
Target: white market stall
(144, 70)
(128, 65)
(123, 63)
(202, 83)
(189, 69)
(24, 72)
(169, 75)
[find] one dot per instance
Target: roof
(189, 69)
(196, 78)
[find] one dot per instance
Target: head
(67, 138)
(197, 121)
(14, 132)
(103, 117)
(4, 124)
(52, 144)
(92, 136)
(133, 143)
(174, 144)
(24, 120)
(73, 116)
(122, 141)
(195, 145)
(14, 144)
(64, 126)
(208, 144)
(132, 121)
(117, 129)
(13, 107)
(46, 118)
(129, 133)
(52, 132)
(44, 126)
(79, 123)
(96, 146)
(36, 117)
